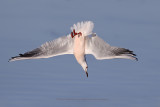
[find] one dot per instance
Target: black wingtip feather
(20, 54)
(121, 51)
(32, 53)
(12, 58)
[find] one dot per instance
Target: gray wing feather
(60, 46)
(101, 50)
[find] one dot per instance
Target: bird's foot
(79, 34)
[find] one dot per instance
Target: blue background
(60, 81)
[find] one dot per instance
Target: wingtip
(11, 59)
(136, 59)
(14, 58)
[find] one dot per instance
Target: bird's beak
(87, 74)
(86, 71)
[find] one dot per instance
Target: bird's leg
(73, 34)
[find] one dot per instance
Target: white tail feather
(85, 27)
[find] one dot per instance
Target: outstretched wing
(101, 50)
(60, 46)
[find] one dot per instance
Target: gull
(80, 41)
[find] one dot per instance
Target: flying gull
(78, 43)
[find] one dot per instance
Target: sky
(60, 81)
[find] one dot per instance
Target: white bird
(78, 44)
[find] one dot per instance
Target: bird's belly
(79, 48)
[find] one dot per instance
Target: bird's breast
(79, 47)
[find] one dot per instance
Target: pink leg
(72, 34)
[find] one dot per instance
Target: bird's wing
(60, 46)
(101, 50)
